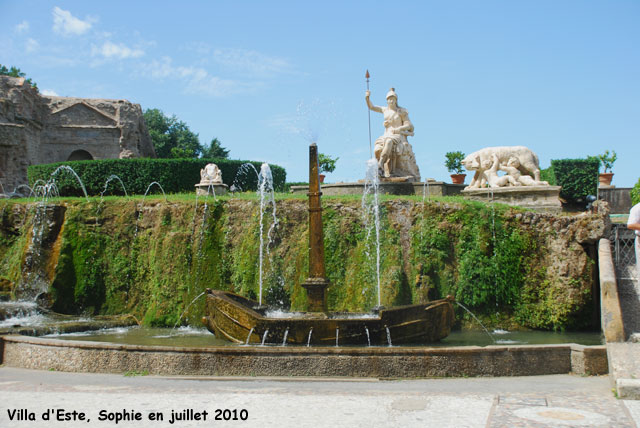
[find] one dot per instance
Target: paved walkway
(537, 401)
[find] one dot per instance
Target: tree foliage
(635, 193)
(215, 150)
(171, 137)
(15, 72)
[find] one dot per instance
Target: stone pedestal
(538, 198)
(217, 189)
(316, 294)
(429, 188)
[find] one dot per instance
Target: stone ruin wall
(36, 129)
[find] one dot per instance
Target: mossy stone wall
(513, 268)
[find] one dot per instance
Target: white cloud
(31, 45)
(110, 50)
(22, 27)
(49, 93)
(251, 61)
(197, 80)
(66, 24)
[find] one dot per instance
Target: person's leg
(386, 157)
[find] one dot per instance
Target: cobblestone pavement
(537, 401)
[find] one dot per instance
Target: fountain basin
(376, 362)
(233, 317)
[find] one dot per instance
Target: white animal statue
(478, 160)
(210, 174)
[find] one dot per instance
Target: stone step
(624, 368)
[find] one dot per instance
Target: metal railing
(624, 256)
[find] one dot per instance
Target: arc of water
(249, 336)
(475, 318)
(68, 168)
(309, 337)
(106, 184)
(368, 338)
(23, 186)
(149, 187)
(264, 337)
(187, 308)
(337, 334)
(388, 336)
(242, 171)
(284, 340)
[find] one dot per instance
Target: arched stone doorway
(80, 155)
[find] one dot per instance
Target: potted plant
(454, 165)
(325, 164)
(606, 160)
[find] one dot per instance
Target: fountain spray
(366, 75)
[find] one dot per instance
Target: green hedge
(578, 178)
(174, 175)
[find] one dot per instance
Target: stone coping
(436, 188)
(610, 312)
(512, 360)
(216, 189)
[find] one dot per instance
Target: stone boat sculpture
(241, 320)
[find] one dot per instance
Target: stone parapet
(611, 314)
(429, 188)
(377, 362)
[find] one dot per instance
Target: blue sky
(559, 76)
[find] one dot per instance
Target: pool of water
(180, 336)
(200, 337)
(503, 337)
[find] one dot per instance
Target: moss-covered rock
(513, 268)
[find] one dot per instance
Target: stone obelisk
(316, 284)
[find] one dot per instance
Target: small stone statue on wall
(210, 174)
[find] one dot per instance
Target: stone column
(316, 284)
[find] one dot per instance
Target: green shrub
(548, 176)
(453, 162)
(174, 175)
(578, 178)
(635, 193)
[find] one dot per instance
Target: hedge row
(578, 178)
(174, 175)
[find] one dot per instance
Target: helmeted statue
(392, 150)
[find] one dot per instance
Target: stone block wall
(37, 129)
